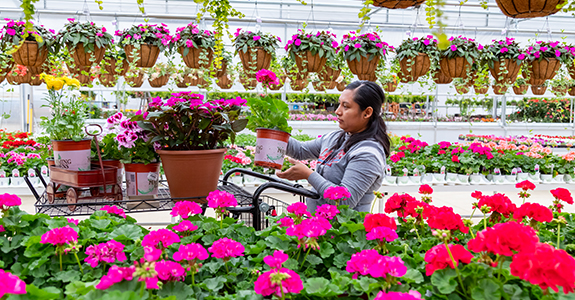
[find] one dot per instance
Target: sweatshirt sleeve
(304, 150)
(359, 176)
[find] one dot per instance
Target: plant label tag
(44, 170)
(388, 170)
(405, 171)
(442, 169)
(536, 168)
(496, 171)
(15, 173)
(2, 174)
(415, 172)
(519, 170)
(514, 171)
(31, 173)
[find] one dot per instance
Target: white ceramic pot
(451, 178)
(439, 178)
(547, 178)
(511, 178)
(415, 180)
(522, 177)
(5, 181)
(476, 179)
(463, 179)
(390, 180)
(427, 178)
(403, 180)
(17, 181)
(560, 178)
(535, 178)
(498, 179)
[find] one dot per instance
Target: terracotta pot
(393, 4)
(308, 62)
(222, 71)
(520, 90)
(86, 59)
(341, 86)
(248, 83)
(277, 87)
(111, 65)
(298, 84)
(571, 91)
(528, 8)
(199, 81)
(481, 90)
(135, 81)
(328, 74)
(456, 67)
(160, 81)
(499, 89)
(559, 91)
(390, 87)
(544, 69)
(441, 78)
(71, 155)
(538, 89)
(79, 73)
(224, 82)
(364, 67)
(30, 55)
(146, 56)
(510, 65)
(462, 89)
(271, 146)
(255, 59)
(192, 59)
(419, 66)
(192, 173)
(142, 179)
(107, 80)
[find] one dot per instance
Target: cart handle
(94, 135)
(261, 176)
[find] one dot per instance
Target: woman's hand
(297, 172)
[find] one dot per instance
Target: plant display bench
(252, 208)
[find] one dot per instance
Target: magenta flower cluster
(60, 236)
(370, 262)
(226, 249)
(336, 193)
(114, 210)
(108, 252)
(186, 209)
(9, 200)
(278, 281)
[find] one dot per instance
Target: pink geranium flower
(220, 199)
(275, 261)
(285, 222)
(191, 252)
(268, 283)
(225, 249)
(116, 274)
(11, 284)
(327, 211)
(108, 252)
(60, 236)
(337, 194)
(185, 226)
(267, 77)
(170, 271)
(186, 209)
(114, 210)
(299, 210)
(9, 200)
(382, 234)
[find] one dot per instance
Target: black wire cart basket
(252, 209)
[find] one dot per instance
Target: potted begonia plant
(268, 119)
(65, 125)
(29, 49)
(311, 51)
(256, 49)
(190, 134)
(363, 53)
(544, 59)
(143, 43)
(457, 59)
(86, 42)
(416, 55)
(196, 46)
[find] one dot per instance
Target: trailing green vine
(364, 13)
(28, 8)
(434, 17)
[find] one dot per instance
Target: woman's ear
(367, 112)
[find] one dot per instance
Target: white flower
(75, 93)
(339, 79)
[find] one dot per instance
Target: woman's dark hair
(366, 94)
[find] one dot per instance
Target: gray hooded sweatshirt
(360, 170)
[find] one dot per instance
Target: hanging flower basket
(225, 82)
(499, 88)
(481, 89)
(369, 77)
(329, 74)
(223, 69)
(249, 83)
(255, 59)
(559, 91)
(417, 67)
(277, 87)
(341, 86)
(81, 73)
(9, 63)
(500, 66)
(441, 78)
(145, 57)
(365, 67)
(397, 4)
(520, 90)
(107, 80)
(135, 78)
(85, 58)
(30, 54)
(298, 84)
(34, 49)
(319, 86)
(35, 80)
(196, 80)
(544, 69)
(538, 89)
(159, 81)
(255, 49)
(456, 67)
(181, 84)
(363, 53)
(113, 67)
(390, 87)
(456, 60)
(143, 43)
(193, 57)
(20, 74)
(571, 91)
(86, 42)
(528, 8)
(306, 61)
(462, 89)
(311, 51)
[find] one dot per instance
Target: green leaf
(126, 232)
(486, 289)
(100, 224)
(515, 292)
(276, 243)
(34, 293)
(321, 287)
(214, 284)
(176, 288)
(413, 275)
(326, 249)
(444, 280)
(314, 260)
(353, 227)
(68, 276)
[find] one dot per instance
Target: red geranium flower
(525, 185)
(498, 203)
(504, 239)
(477, 195)
(410, 209)
(376, 220)
(545, 266)
(562, 194)
(444, 218)
(397, 203)
(534, 211)
(437, 257)
(455, 158)
(425, 189)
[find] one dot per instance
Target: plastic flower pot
(390, 180)
(511, 178)
(71, 155)
(142, 179)
(522, 177)
(5, 181)
(546, 178)
(451, 178)
(559, 178)
(403, 180)
(498, 179)
(535, 178)
(463, 179)
(271, 147)
(415, 179)
(17, 181)
(476, 179)
(440, 178)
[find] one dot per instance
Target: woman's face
(350, 117)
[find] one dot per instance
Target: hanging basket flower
(281, 82)
(538, 89)
(341, 86)
(159, 75)
(298, 84)
(115, 62)
(363, 53)
(27, 48)
(311, 51)
(390, 87)
(457, 59)
(86, 42)
(6, 64)
(481, 90)
(500, 88)
(83, 74)
(440, 78)
(329, 74)
(571, 91)
(461, 86)
(226, 61)
(255, 49)
(504, 59)
(529, 8)
(225, 82)
(415, 56)
(19, 74)
(143, 43)
(195, 46)
(249, 83)
(196, 78)
(135, 77)
(397, 4)
(544, 59)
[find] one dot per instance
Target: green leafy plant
(16, 32)
(462, 47)
(247, 39)
(157, 35)
(191, 36)
(268, 112)
(368, 45)
(322, 43)
(87, 34)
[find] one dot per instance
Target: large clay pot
(142, 179)
(328, 74)
(255, 59)
(308, 62)
(538, 89)
(298, 84)
(441, 78)
(528, 8)
(30, 55)
(224, 82)
(419, 66)
(160, 81)
(481, 90)
(520, 90)
(390, 87)
(71, 155)
(456, 67)
(510, 65)
(193, 173)
(248, 82)
(499, 89)
(107, 80)
(397, 4)
(544, 69)
(135, 81)
(364, 68)
(111, 65)
(277, 87)
(86, 59)
(192, 59)
(271, 146)
(146, 56)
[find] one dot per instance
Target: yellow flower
(58, 84)
(75, 82)
(49, 84)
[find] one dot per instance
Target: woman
(353, 157)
